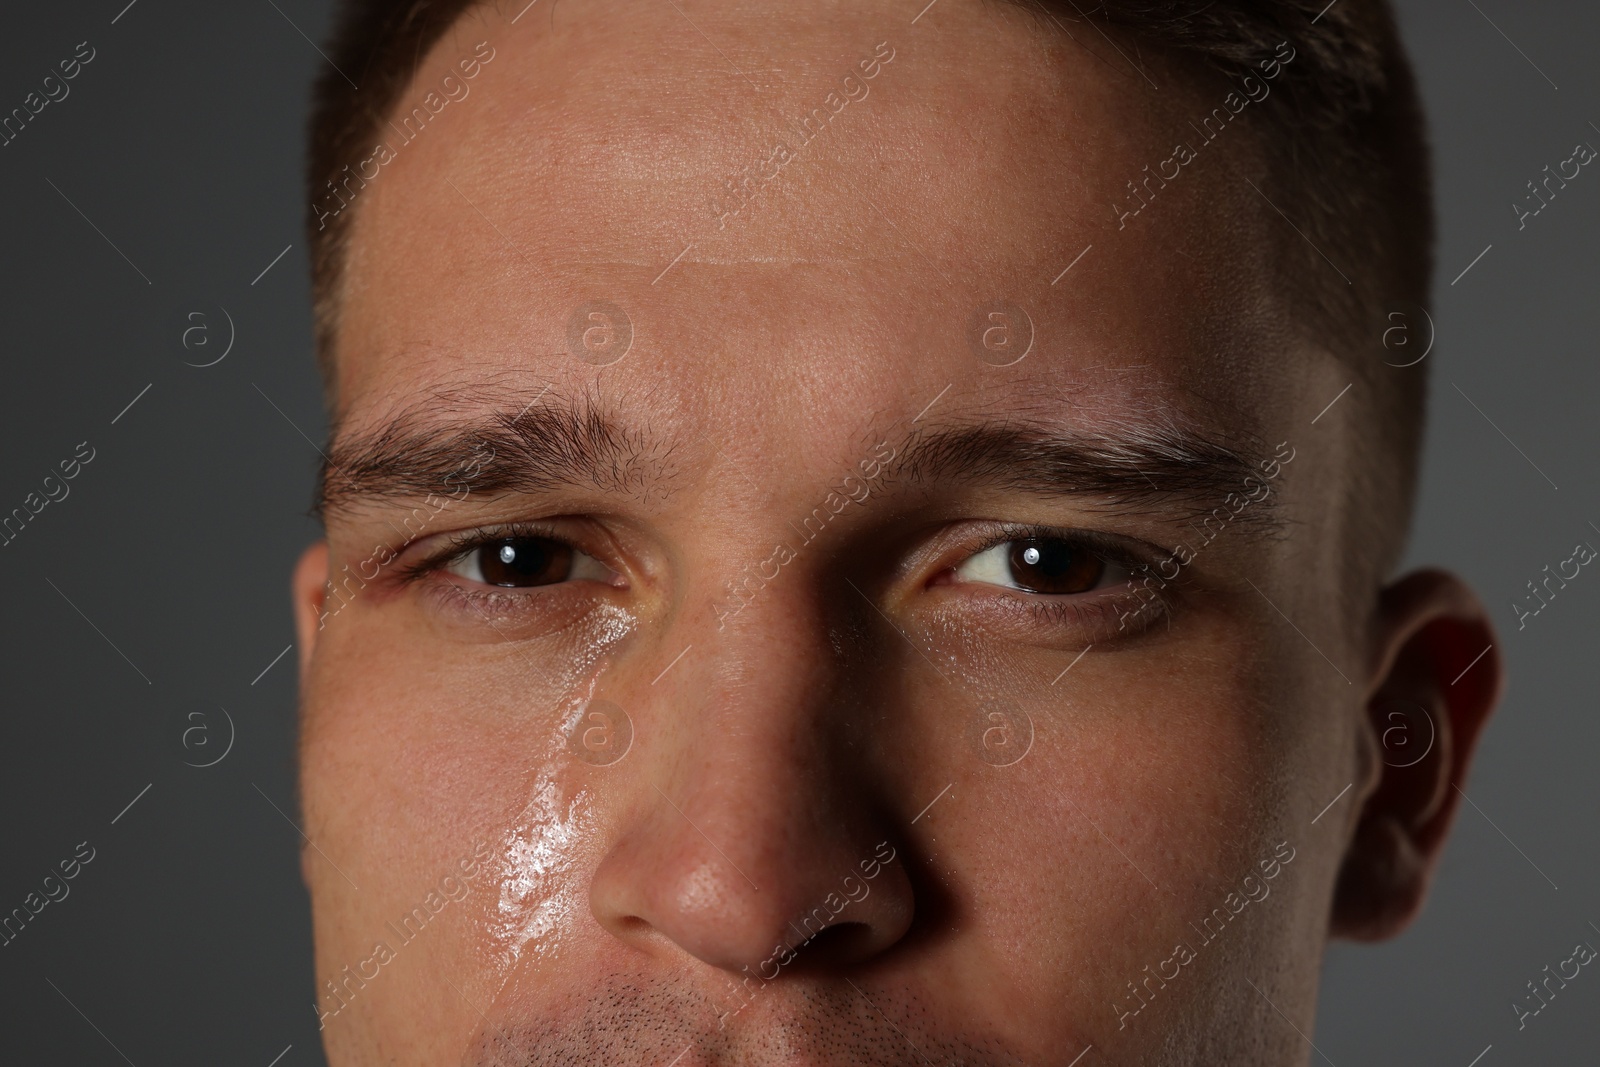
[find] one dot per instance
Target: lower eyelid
(512, 614)
(1104, 616)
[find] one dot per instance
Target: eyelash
(1107, 548)
(1089, 610)
(1102, 612)
(512, 613)
(459, 546)
(1094, 610)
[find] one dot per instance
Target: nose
(757, 837)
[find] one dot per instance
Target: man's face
(945, 565)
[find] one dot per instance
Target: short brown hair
(383, 42)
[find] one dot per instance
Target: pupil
(524, 561)
(1054, 566)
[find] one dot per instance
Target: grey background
(186, 940)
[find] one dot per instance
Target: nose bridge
(762, 726)
(758, 808)
(773, 650)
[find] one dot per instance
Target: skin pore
(783, 546)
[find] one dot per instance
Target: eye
(524, 562)
(1046, 565)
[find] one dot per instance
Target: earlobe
(1435, 680)
(308, 591)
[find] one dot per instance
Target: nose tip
(805, 899)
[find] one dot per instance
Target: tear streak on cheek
(574, 670)
(539, 894)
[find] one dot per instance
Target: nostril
(834, 946)
(631, 924)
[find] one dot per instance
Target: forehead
(798, 222)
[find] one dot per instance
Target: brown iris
(1041, 565)
(524, 561)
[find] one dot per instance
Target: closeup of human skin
(697, 579)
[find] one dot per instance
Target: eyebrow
(1131, 468)
(545, 446)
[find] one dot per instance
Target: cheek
(413, 753)
(398, 721)
(1158, 763)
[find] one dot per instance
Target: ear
(1438, 676)
(308, 590)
